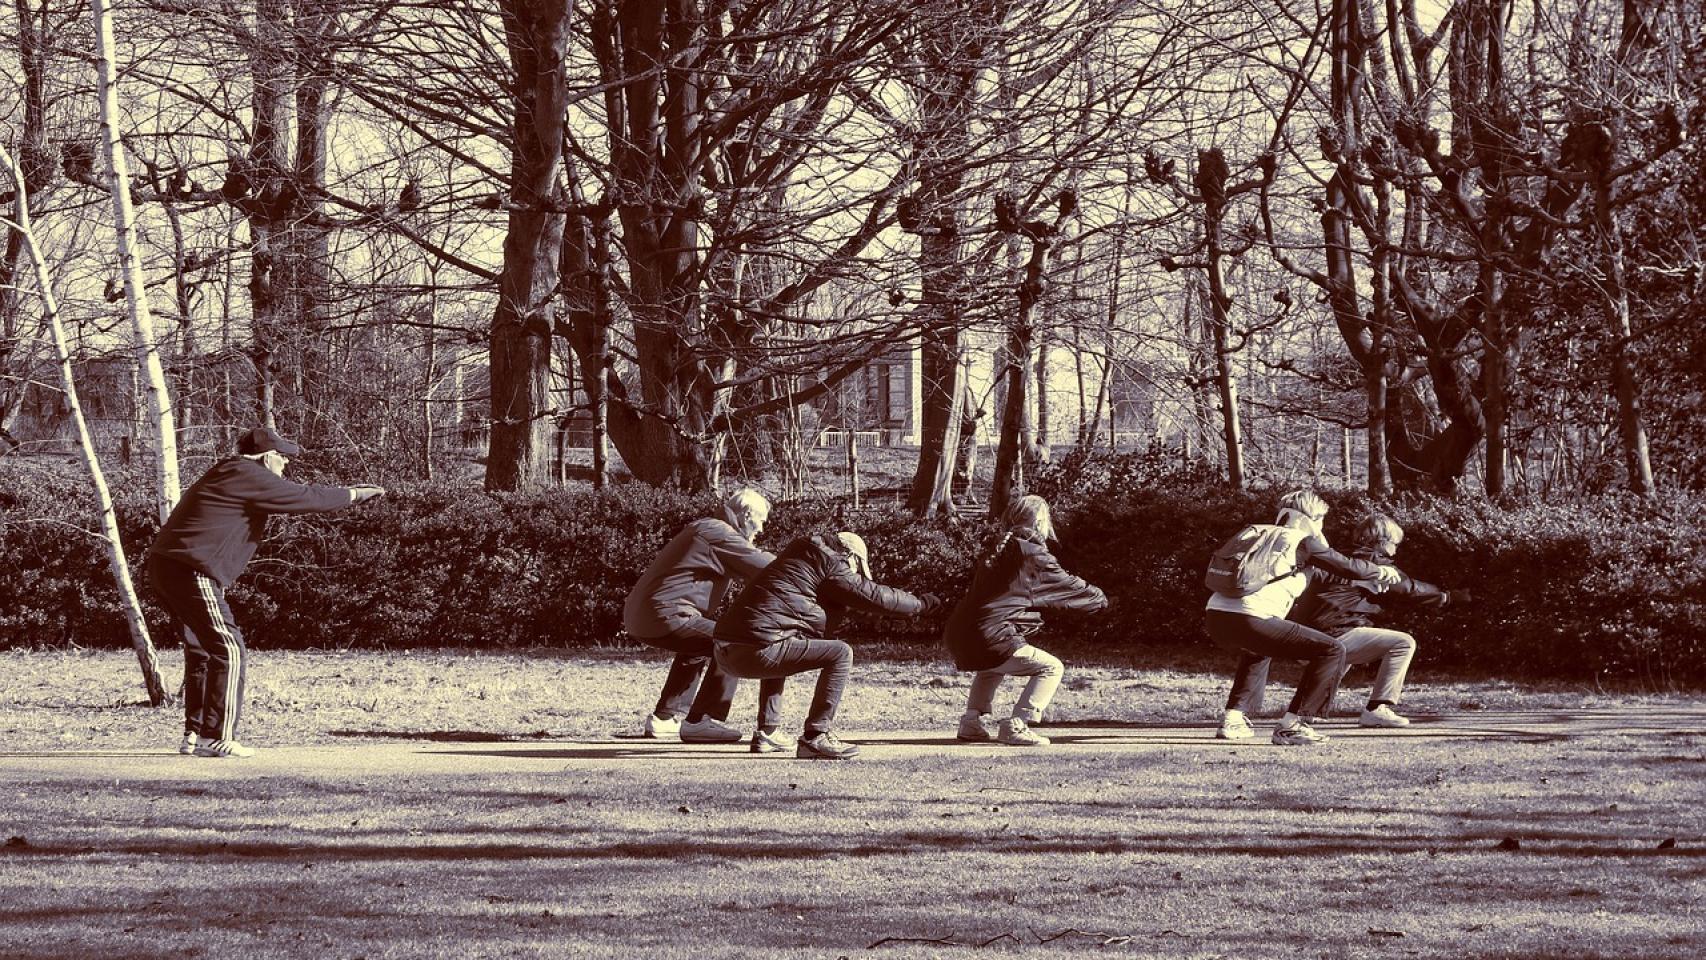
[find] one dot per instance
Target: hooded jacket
(1019, 578)
(689, 577)
(794, 598)
(1334, 604)
(219, 522)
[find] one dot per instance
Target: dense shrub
(1612, 588)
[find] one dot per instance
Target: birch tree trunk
(139, 637)
(158, 401)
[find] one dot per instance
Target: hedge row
(1611, 589)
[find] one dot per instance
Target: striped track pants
(215, 658)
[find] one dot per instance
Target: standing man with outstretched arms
(201, 549)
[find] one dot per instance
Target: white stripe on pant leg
(233, 656)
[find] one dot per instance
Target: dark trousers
(684, 693)
(1259, 640)
(832, 658)
(215, 657)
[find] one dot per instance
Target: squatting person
(989, 630)
(670, 608)
(778, 626)
(1254, 625)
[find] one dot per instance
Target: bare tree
(140, 640)
(150, 373)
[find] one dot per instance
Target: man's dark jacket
(219, 522)
(797, 593)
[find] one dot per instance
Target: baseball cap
(856, 544)
(262, 439)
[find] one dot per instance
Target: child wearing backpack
(1347, 609)
(989, 628)
(1256, 577)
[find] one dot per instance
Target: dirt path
(454, 754)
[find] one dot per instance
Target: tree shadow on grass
(762, 845)
(436, 736)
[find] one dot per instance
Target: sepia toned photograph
(907, 479)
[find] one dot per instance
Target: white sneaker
(186, 746)
(222, 748)
(1014, 732)
(1383, 716)
(657, 729)
(1302, 735)
(710, 730)
(974, 730)
(777, 742)
(1235, 728)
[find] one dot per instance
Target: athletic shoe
(222, 748)
(824, 746)
(1383, 716)
(777, 742)
(1234, 728)
(710, 730)
(1015, 733)
(974, 730)
(186, 746)
(659, 729)
(1302, 735)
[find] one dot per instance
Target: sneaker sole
(712, 739)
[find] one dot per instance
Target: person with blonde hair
(1254, 625)
(990, 628)
(778, 626)
(1346, 609)
(670, 608)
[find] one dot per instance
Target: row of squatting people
(1318, 606)
(778, 625)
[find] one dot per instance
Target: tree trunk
(158, 398)
(537, 36)
(1637, 460)
(1220, 305)
(137, 625)
(1009, 480)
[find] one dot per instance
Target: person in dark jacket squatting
(670, 608)
(204, 546)
(1346, 609)
(778, 626)
(988, 630)
(1254, 624)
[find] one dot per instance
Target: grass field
(458, 806)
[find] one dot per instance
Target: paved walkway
(453, 753)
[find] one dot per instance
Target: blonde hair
(1029, 511)
(745, 502)
(1306, 502)
(1379, 528)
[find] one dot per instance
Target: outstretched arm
(737, 554)
(1313, 551)
(274, 494)
(857, 593)
(1056, 589)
